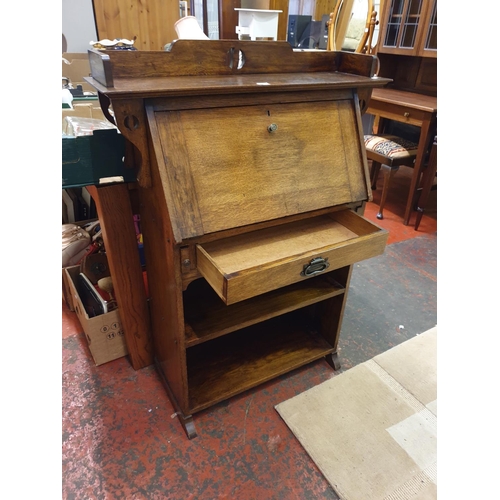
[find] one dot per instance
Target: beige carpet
(372, 430)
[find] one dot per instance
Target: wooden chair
(387, 153)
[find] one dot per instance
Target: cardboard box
(76, 67)
(104, 333)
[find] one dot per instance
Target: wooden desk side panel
(116, 218)
(165, 284)
(331, 312)
(233, 172)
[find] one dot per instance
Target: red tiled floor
(395, 207)
(121, 438)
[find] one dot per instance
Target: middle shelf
(207, 317)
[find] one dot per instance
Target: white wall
(78, 25)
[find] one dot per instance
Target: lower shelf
(244, 359)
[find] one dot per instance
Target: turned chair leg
(388, 175)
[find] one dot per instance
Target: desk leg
(116, 219)
(419, 161)
(427, 181)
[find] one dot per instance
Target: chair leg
(374, 174)
(388, 175)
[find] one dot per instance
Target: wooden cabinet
(251, 168)
(409, 27)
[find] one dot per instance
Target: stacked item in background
(88, 290)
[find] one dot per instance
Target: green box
(94, 159)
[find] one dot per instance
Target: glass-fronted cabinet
(409, 27)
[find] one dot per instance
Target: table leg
(419, 161)
(427, 181)
(116, 218)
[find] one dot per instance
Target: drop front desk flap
(250, 167)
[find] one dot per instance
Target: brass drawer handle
(316, 266)
(406, 114)
(272, 128)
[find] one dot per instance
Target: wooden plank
(207, 317)
(151, 24)
(412, 100)
(356, 223)
(222, 101)
(209, 269)
(323, 7)
(234, 363)
(211, 57)
(228, 19)
(116, 218)
(282, 16)
(164, 280)
(264, 248)
(258, 262)
(179, 183)
(257, 175)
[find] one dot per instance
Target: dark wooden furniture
(427, 183)
(250, 171)
(409, 28)
(411, 108)
(407, 45)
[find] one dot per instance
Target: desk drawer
(250, 264)
(397, 112)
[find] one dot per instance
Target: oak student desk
(411, 108)
(252, 177)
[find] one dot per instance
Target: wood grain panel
(228, 19)
(282, 17)
(257, 262)
(232, 364)
(324, 7)
(116, 218)
(150, 22)
(164, 283)
(179, 185)
(207, 317)
(243, 174)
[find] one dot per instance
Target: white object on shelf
(188, 28)
(257, 23)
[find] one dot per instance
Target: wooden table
(414, 109)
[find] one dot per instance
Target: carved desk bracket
(130, 118)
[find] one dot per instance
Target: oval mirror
(352, 25)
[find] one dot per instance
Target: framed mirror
(352, 26)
